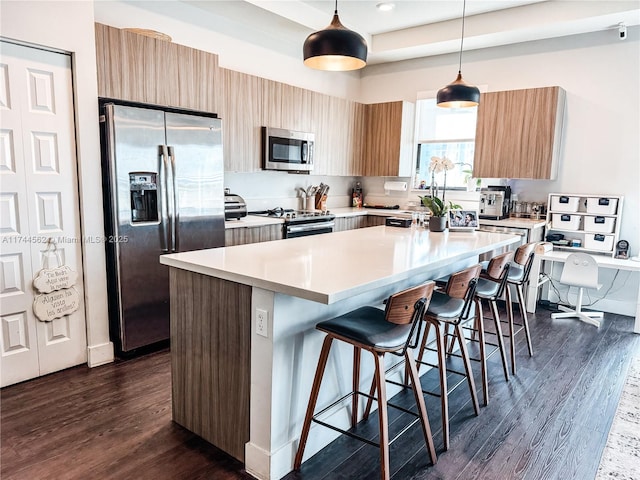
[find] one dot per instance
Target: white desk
(561, 256)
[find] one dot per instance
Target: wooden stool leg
(442, 371)
(525, 321)
(355, 386)
(512, 335)
(372, 392)
(459, 334)
(423, 345)
(496, 320)
(422, 409)
(483, 352)
(383, 419)
(452, 343)
(313, 398)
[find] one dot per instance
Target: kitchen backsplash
(264, 190)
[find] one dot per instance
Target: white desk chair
(580, 270)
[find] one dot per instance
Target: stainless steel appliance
(298, 223)
(163, 193)
(495, 202)
(234, 206)
(287, 150)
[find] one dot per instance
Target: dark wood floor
(549, 422)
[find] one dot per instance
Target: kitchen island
(243, 344)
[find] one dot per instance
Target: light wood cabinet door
(272, 103)
(143, 69)
(374, 221)
(199, 85)
(296, 108)
(338, 128)
(388, 134)
(350, 223)
(244, 235)
(242, 114)
(518, 133)
(108, 61)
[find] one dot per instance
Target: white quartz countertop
(251, 221)
(355, 212)
(514, 222)
(334, 266)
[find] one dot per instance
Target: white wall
(601, 74)
(33, 23)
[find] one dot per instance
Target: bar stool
(450, 307)
(518, 276)
(490, 288)
(395, 330)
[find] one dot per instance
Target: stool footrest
(360, 437)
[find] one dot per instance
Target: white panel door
(39, 200)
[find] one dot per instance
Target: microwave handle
(304, 152)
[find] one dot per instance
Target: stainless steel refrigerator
(163, 193)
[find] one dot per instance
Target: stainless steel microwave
(287, 150)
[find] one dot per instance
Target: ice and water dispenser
(143, 188)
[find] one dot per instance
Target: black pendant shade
(458, 94)
(336, 48)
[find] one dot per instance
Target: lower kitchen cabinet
(373, 221)
(350, 223)
(244, 235)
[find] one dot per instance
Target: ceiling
(412, 29)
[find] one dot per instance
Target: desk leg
(636, 325)
(534, 285)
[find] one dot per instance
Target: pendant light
(459, 94)
(336, 48)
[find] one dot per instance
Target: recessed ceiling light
(385, 6)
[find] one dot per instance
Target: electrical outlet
(261, 322)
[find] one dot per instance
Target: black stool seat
(367, 326)
(445, 308)
(487, 288)
(516, 273)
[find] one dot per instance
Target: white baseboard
(100, 354)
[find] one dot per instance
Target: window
(444, 132)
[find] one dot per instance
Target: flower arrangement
(438, 206)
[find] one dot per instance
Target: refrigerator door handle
(174, 205)
(165, 210)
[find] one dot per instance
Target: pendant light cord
(464, 7)
(336, 10)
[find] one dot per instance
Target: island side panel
(210, 358)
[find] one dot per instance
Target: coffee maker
(494, 202)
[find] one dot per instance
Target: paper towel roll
(396, 186)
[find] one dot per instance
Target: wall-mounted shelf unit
(593, 220)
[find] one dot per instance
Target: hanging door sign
(57, 295)
(51, 279)
(49, 306)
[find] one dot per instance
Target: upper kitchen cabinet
(286, 106)
(338, 125)
(519, 133)
(141, 68)
(388, 134)
(242, 119)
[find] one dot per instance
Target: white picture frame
(463, 219)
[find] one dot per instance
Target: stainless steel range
(299, 223)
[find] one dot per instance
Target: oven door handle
(309, 227)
